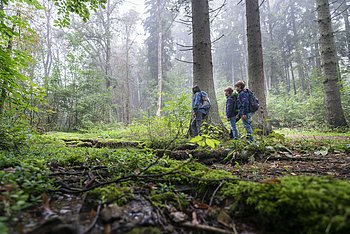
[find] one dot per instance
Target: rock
(111, 212)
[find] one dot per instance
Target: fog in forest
(129, 58)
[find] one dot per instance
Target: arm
(245, 102)
(196, 101)
(229, 107)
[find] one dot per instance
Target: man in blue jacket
(232, 111)
(199, 111)
(243, 108)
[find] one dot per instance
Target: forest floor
(157, 200)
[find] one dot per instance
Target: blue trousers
(248, 127)
(233, 128)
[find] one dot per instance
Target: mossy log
(207, 157)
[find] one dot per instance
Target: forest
(101, 125)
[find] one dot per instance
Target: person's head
(239, 85)
(228, 91)
(196, 89)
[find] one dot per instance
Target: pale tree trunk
(255, 61)
(345, 13)
(271, 75)
(160, 63)
(335, 114)
(202, 57)
(126, 109)
(300, 64)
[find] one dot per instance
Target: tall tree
(255, 62)
(159, 45)
(202, 57)
(335, 114)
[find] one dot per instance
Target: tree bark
(335, 114)
(255, 62)
(202, 57)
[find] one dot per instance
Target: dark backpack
(205, 101)
(253, 102)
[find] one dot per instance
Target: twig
(214, 193)
(95, 219)
(205, 228)
(261, 3)
(239, 2)
(218, 39)
(180, 60)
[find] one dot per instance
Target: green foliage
(309, 204)
(205, 140)
(79, 7)
(22, 184)
(164, 131)
(305, 110)
(3, 228)
(262, 146)
(296, 110)
(112, 194)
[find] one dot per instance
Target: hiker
(232, 111)
(200, 109)
(243, 108)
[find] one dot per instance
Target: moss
(301, 204)
(112, 194)
(145, 230)
(178, 200)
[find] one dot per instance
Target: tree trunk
(202, 57)
(160, 59)
(335, 114)
(245, 52)
(345, 13)
(127, 115)
(297, 48)
(271, 77)
(255, 61)
(293, 78)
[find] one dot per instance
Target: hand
(244, 117)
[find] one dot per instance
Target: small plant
(205, 140)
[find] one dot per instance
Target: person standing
(243, 108)
(232, 111)
(200, 108)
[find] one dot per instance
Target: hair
(240, 84)
(229, 89)
(196, 89)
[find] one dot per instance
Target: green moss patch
(294, 204)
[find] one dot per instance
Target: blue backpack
(205, 101)
(253, 102)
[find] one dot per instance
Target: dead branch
(205, 228)
(217, 39)
(92, 225)
(214, 193)
(180, 60)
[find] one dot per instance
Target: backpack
(205, 101)
(253, 102)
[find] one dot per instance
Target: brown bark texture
(334, 111)
(255, 64)
(202, 57)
